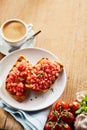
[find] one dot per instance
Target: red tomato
(53, 115)
(67, 117)
(67, 127)
(73, 106)
(21, 66)
(49, 125)
(60, 106)
(62, 126)
(58, 127)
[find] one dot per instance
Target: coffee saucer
(4, 47)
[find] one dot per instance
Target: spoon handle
(16, 48)
(35, 34)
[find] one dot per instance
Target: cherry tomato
(53, 115)
(67, 117)
(73, 106)
(66, 127)
(49, 125)
(60, 106)
(58, 127)
(62, 126)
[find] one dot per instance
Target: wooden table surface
(64, 32)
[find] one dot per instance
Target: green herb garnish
(40, 75)
(83, 106)
(52, 89)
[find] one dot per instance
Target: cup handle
(29, 26)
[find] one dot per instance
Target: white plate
(35, 101)
(4, 47)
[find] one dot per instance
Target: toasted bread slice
(19, 98)
(44, 74)
(16, 78)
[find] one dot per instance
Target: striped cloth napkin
(30, 120)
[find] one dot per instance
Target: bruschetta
(16, 79)
(43, 75)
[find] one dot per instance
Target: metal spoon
(18, 47)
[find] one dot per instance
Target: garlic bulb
(81, 122)
(80, 95)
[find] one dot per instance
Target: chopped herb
(52, 89)
(40, 75)
(83, 106)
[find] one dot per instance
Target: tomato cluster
(62, 116)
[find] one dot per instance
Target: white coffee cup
(15, 31)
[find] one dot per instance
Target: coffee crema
(14, 30)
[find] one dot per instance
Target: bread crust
(19, 98)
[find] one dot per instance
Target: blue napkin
(30, 120)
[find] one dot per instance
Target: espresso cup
(15, 31)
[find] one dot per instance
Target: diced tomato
(24, 74)
(21, 67)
